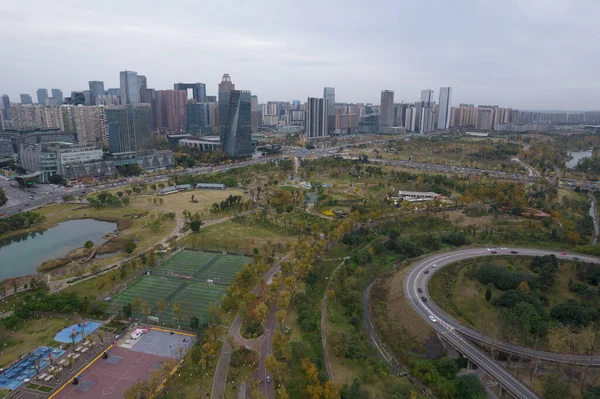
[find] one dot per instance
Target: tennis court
(191, 279)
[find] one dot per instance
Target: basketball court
(126, 364)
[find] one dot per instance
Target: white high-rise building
(329, 94)
(426, 121)
(130, 87)
(386, 115)
(316, 118)
(444, 108)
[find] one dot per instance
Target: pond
(577, 156)
(21, 255)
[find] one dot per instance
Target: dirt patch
(114, 245)
(53, 264)
(469, 291)
(123, 224)
(459, 219)
(397, 324)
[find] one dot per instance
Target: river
(21, 255)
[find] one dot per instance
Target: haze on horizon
(526, 54)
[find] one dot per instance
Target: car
(426, 271)
(513, 252)
(432, 318)
(424, 299)
(268, 379)
(494, 252)
(503, 249)
(563, 253)
(576, 258)
(434, 265)
(419, 290)
(490, 249)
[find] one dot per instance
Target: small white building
(414, 196)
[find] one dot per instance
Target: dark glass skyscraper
(129, 127)
(197, 118)
(6, 106)
(96, 89)
(198, 90)
(42, 95)
(235, 118)
(130, 87)
(58, 96)
(26, 99)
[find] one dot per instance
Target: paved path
(530, 170)
(220, 378)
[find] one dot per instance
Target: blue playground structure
(14, 376)
(77, 330)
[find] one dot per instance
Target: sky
(525, 54)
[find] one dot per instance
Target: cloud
(519, 53)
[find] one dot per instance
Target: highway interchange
(454, 332)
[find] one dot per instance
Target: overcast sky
(528, 54)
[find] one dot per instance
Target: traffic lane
(476, 355)
(422, 280)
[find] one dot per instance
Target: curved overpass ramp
(454, 332)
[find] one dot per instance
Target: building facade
(444, 108)
(235, 114)
(317, 120)
(130, 87)
(26, 99)
(329, 94)
(386, 117)
(426, 121)
(226, 83)
(58, 95)
(198, 90)
(197, 118)
(170, 110)
(96, 90)
(42, 95)
(6, 106)
(129, 127)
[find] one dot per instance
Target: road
(220, 378)
(530, 170)
(453, 331)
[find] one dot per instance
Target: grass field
(233, 236)
(35, 333)
(193, 293)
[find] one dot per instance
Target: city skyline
(484, 57)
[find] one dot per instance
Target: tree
(160, 306)
(127, 310)
(555, 388)
(488, 294)
(177, 311)
(194, 322)
(3, 197)
(120, 194)
(261, 312)
(469, 387)
(195, 225)
(130, 246)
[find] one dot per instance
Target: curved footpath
(454, 331)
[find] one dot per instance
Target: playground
(25, 369)
(77, 331)
(110, 376)
(191, 279)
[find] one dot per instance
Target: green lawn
(34, 333)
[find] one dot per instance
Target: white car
(434, 265)
(490, 249)
(432, 318)
(503, 249)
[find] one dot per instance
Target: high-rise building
(130, 87)
(484, 118)
(89, 123)
(197, 118)
(6, 106)
(226, 84)
(148, 96)
(88, 97)
(198, 90)
(444, 108)
(170, 110)
(58, 96)
(235, 113)
(128, 127)
(254, 103)
(425, 111)
(143, 82)
(77, 98)
(386, 117)
(96, 89)
(26, 99)
(270, 113)
(211, 99)
(329, 94)
(296, 104)
(42, 95)
(51, 102)
(317, 120)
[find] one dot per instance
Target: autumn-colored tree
(280, 316)
(261, 312)
(524, 287)
(177, 311)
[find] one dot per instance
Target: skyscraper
(425, 112)
(386, 117)
(226, 84)
(130, 87)
(235, 114)
(254, 102)
(198, 90)
(197, 118)
(58, 96)
(128, 127)
(316, 124)
(148, 96)
(96, 89)
(444, 107)
(26, 99)
(42, 95)
(170, 110)
(329, 94)
(88, 122)
(6, 106)
(77, 98)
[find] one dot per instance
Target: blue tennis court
(25, 368)
(78, 330)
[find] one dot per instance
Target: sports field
(183, 280)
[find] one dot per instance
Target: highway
(454, 332)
